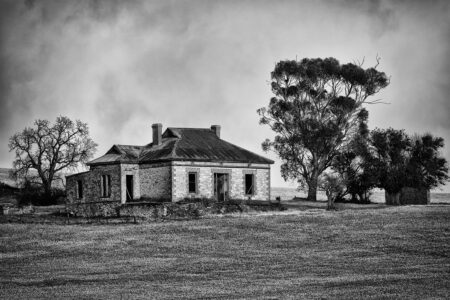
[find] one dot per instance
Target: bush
(7, 190)
(31, 194)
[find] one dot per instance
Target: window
(129, 187)
(192, 182)
(249, 184)
(106, 186)
(79, 189)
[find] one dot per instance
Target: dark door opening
(129, 189)
(221, 186)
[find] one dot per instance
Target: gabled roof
(182, 144)
(118, 153)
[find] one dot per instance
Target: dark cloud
(113, 106)
(122, 65)
(382, 15)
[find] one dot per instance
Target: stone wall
(130, 169)
(91, 182)
(94, 209)
(169, 181)
(71, 186)
(145, 211)
(206, 172)
(408, 195)
(392, 198)
(155, 181)
(411, 195)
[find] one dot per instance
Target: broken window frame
(79, 189)
(195, 174)
(105, 186)
(250, 188)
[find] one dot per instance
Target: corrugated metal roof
(107, 158)
(182, 144)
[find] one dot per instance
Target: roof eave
(113, 162)
(267, 162)
(67, 176)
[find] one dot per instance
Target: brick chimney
(157, 130)
(216, 130)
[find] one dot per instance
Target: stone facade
(155, 181)
(169, 181)
(235, 171)
(133, 170)
(91, 182)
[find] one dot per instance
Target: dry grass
(395, 252)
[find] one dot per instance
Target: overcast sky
(122, 65)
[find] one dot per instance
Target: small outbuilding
(179, 163)
(409, 196)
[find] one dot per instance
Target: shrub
(32, 194)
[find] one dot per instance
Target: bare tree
(49, 149)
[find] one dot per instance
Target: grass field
(390, 252)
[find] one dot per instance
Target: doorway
(129, 187)
(221, 186)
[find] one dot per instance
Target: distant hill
(7, 179)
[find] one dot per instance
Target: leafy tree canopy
(398, 160)
(389, 158)
(426, 167)
(316, 108)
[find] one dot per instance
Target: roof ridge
(175, 145)
(194, 128)
(128, 145)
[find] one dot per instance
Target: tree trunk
(48, 189)
(330, 202)
(362, 199)
(312, 190)
(392, 198)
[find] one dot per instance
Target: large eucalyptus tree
(316, 108)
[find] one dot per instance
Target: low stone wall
(94, 209)
(191, 209)
(411, 195)
(154, 211)
(159, 211)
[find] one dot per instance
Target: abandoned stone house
(180, 163)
